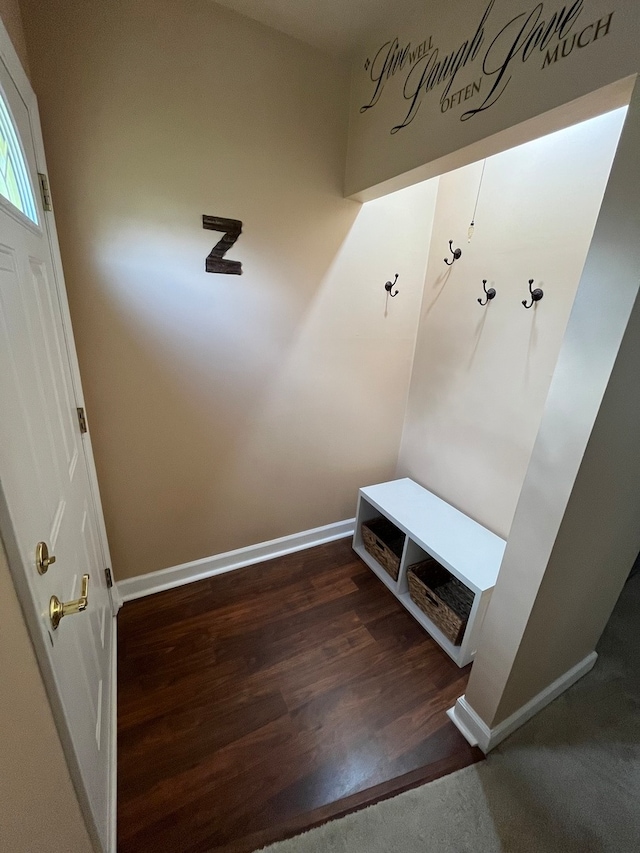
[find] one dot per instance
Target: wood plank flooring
(264, 701)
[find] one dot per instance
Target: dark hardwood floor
(264, 701)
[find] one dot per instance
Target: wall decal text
(539, 32)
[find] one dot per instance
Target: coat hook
(536, 295)
(389, 286)
(490, 293)
(457, 253)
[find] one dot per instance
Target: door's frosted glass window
(15, 185)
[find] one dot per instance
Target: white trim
(113, 757)
(116, 598)
(457, 722)
(476, 731)
(132, 588)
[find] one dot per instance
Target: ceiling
(338, 27)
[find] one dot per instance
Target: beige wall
(38, 806)
(12, 19)
(481, 374)
(224, 410)
(575, 530)
(597, 543)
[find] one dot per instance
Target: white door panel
(45, 478)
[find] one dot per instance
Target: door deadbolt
(58, 609)
(43, 560)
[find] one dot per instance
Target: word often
(461, 95)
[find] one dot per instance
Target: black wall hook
(489, 293)
(536, 295)
(457, 253)
(389, 287)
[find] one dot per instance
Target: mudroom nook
(318, 476)
(475, 396)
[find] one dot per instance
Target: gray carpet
(568, 781)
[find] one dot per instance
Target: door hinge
(45, 193)
(109, 577)
(82, 421)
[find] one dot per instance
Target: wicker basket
(384, 542)
(442, 597)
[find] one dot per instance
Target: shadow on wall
(233, 410)
(224, 411)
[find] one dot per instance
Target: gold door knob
(58, 609)
(43, 560)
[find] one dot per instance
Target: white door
(44, 470)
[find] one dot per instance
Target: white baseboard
(458, 723)
(137, 587)
(476, 731)
(116, 599)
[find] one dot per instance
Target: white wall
(481, 374)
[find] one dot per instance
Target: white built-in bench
(432, 527)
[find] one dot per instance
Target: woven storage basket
(384, 542)
(442, 597)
